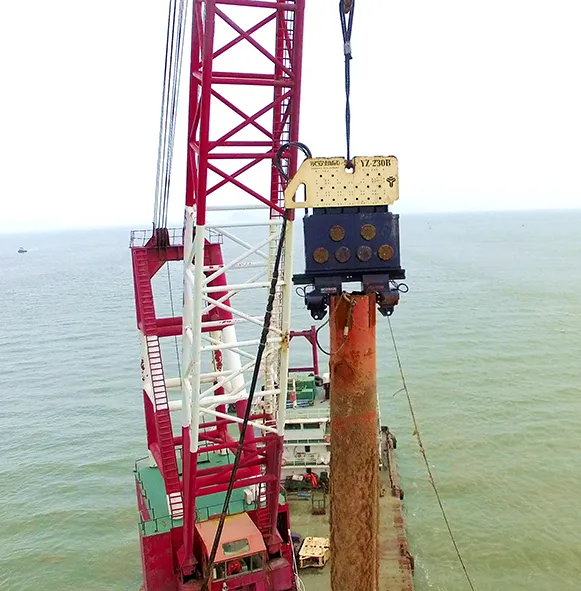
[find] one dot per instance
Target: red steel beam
(221, 155)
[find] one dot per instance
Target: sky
(480, 102)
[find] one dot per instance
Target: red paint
(311, 336)
(141, 506)
(167, 556)
(157, 556)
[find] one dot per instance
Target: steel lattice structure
(245, 80)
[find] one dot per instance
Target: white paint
(287, 292)
(236, 260)
(235, 348)
(201, 347)
(251, 343)
(232, 362)
(236, 419)
(242, 225)
(305, 420)
(243, 243)
(236, 287)
(214, 303)
(193, 363)
(188, 316)
(223, 399)
(236, 207)
(173, 383)
(227, 382)
(145, 372)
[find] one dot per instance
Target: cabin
(306, 428)
(241, 557)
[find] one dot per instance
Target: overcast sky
(480, 102)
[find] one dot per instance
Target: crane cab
(240, 563)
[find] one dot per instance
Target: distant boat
(21, 250)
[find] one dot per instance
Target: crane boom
(234, 207)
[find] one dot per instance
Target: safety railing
(235, 507)
(142, 237)
(319, 411)
(302, 441)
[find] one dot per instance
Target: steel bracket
(330, 182)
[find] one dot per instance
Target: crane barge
(212, 513)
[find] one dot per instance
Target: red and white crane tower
(241, 111)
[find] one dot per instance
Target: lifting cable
(348, 323)
(176, 25)
(259, 353)
(425, 457)
(347, 7)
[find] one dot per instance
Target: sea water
(490, 341)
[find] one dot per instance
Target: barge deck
(395, 562)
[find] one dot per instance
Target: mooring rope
(425, 457)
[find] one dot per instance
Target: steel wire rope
(161, 118)
(182, 17)
(347, 7)
(425, 457)
(253, 383)
(177, 17)
(346, 328)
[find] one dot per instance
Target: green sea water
(490, 341)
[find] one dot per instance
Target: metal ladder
(169, 465)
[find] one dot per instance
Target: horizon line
(176, 224)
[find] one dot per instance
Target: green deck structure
(151, 485)
(152, 489)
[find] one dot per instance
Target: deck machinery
(244, 102)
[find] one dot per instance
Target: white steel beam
(242, 225)
(225, 379)
(241, 242)
(223, 399)
(233, 288)
(236, 419)
(223, 346)
(234, 348)
(214, 303)
(235, 261)
(246, 265)
(194, 362)
(286, 321)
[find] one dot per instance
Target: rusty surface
(368, 231)
(395, 571)
(337, 233)
(395, 559)
(342, 254)
(364, 253)
(354, 490)
(321, 255)
(385, 252)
